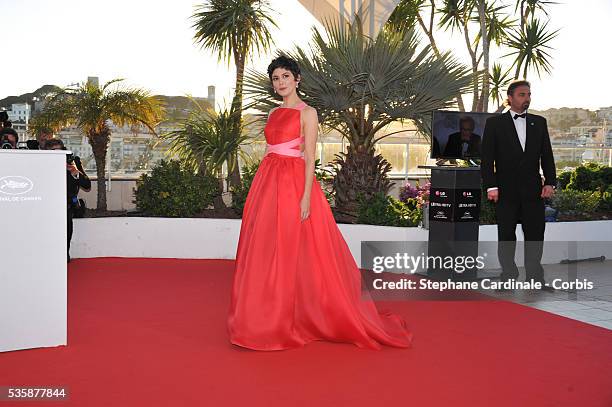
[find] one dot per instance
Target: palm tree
(361, 85)
(455, 15)
(234, 29)
(204, 142)
(406, 16)
(529, 7)
(92, 109)
(498, 81)
(494, 25)
(530, 47)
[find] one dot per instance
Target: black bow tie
(516, 116)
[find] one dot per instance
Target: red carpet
(151, 332)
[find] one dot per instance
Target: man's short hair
(49, 144)
(9, 131)
(467, 119)
(515, 84)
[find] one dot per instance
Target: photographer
(75, 180)
(8, 138)
(42, 136)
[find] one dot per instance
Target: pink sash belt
(286, 148)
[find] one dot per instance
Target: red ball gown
(296, 281)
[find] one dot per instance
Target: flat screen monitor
(457, 135)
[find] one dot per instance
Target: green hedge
(239, 194)
(172, 191)
(388, 211)
(590, 177)
(574, 202)
(586, 189)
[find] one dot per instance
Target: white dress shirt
(520, 124)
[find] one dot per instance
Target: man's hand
(493, 195)
(73, 169)
(547, 191)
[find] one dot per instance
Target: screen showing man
(457, 135)
(463, 143)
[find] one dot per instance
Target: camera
(70, 158)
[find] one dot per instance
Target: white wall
(218, 238)
(33, 279)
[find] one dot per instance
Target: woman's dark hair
(285, 63)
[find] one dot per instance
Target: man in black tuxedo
(76, 179)
(514, 146)
(463, 143)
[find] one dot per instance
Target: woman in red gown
(295, 279)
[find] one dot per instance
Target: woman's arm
(310, 125)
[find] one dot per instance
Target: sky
(150, 44)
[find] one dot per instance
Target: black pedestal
(454, 215)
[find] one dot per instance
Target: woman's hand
(304, 208)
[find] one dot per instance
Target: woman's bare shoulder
(309, 113)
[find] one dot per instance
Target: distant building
(93, 80)
(39, 105)
(608, 138)
(591, 133)
(605, 113)
(211, 96)
(20, 112)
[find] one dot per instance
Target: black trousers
(530, 214)
(69, 219)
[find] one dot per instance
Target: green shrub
(605, 203)
(240, 193)
(590, 177)
(563, 179)
(325, 177)
(572, 202)
(173, 191)
(387, 211)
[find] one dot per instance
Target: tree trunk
(435, 49)
(239, 59)
(99, 145)
(475, 90)
(484, 100)
(218, 200)
(359, 171)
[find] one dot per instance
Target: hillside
(27, 97)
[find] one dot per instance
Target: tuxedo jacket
(454, 147)
(504, 164)
(73, 185)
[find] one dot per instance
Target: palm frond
(530, 47)
(205, 141)
(230, 27)
(359, 85)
